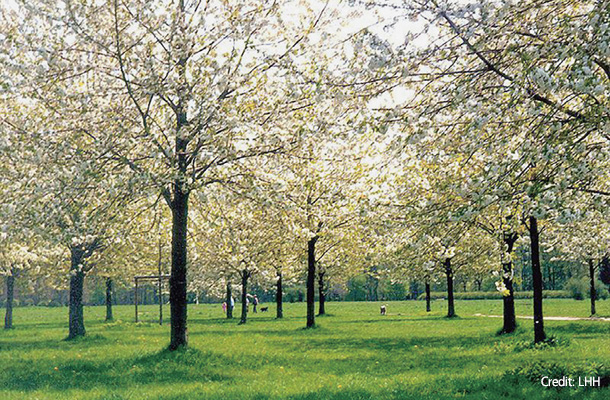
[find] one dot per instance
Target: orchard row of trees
(255, 140)
(565, 279)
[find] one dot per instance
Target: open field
(354, 354)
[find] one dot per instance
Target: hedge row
(550, 294)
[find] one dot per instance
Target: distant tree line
(557, 275)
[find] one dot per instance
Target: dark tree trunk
(229, 301)
(450, 301)
(10, 293)
(592, 295)
(109, 299)
(428, 309)
(179, 206)
(604, 270)
(549, 280)
(321, 296)
(278, 296)
(177, 282)
(372, 285)
(464, 285)
(510, 321)
(244, 296)
(539, 335)
(311, 280)
(478, 282)
(76, 324)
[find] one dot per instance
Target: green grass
(353, 354)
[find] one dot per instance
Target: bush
(580, 289)
(601, 290)
(28, 303)
(547, 294)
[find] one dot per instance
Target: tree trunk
(109, 299)
(10, 293)
(177, 282)
(76, 324)
(428, 309)
(450, 301)
(278, 296)
(539, 335)
(321, 296)
(229, 301)
(179, 207)
(510, 321)
(311, 279)
(244, 296)
(592, 295)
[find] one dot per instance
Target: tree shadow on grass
(385, 356)
(28, 325)
(160, 367)
(394, 318)
(356, 394)
(579, 328)
(392, 345)
(53, 344)
(437, 389)
(225, 321)
(25, 345)
(321, 394)
(288, 332)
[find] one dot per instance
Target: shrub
(601, 290)
(580, 289)
(549, 294)
(28, 303)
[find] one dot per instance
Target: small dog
(264, 309)
(382, 309)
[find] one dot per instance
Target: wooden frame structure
(159, 278)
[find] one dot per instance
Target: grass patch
(534, 372)
(355, 354)
(517, 346)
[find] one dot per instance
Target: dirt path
(550, 318)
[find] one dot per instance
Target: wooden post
(160, 299)
(136, 299)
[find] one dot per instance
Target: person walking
(254, 303)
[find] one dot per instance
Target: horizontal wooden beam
(144, 277)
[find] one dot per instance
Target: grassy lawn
(354, 354)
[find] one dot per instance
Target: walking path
(550, 318)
